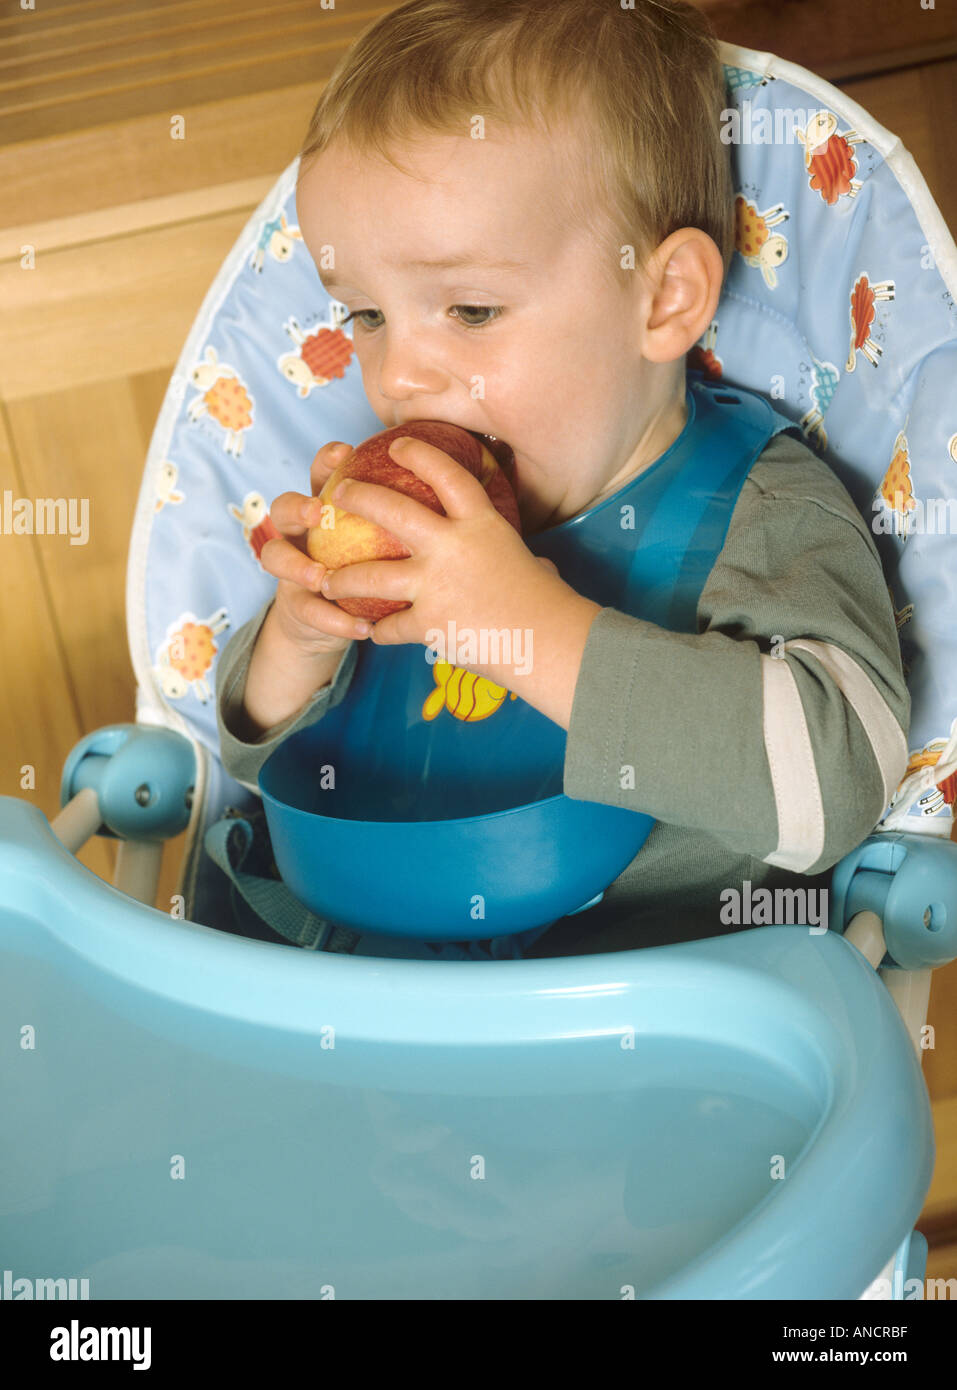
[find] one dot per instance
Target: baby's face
(526, 339)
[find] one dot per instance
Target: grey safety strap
(228, 843)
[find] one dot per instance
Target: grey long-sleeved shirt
(767, 744)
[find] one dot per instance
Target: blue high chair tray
(203, 1116)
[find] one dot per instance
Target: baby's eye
(494, 312)
(357, 314)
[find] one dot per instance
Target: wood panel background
(129, 229)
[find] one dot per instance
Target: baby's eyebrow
(478, 262)
(474, 262)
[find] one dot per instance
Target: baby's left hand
(470, 567)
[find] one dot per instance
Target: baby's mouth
(503, 454)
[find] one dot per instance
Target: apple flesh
(351, 539)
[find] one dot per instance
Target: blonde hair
(640, 88)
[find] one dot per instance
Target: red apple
(351, 539)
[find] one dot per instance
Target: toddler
(527, 209)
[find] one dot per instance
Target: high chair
(196, 1110)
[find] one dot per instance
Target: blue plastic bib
(418, 743)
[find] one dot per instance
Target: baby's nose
(410, 368)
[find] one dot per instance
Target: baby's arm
(280, 679)
(779, 728)
(301, 645)
(245, 745)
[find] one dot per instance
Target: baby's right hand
(309, 621)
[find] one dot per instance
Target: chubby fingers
(326, 462)
(320, 614)
(293, 513)
(284, 560)
(456, 487)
